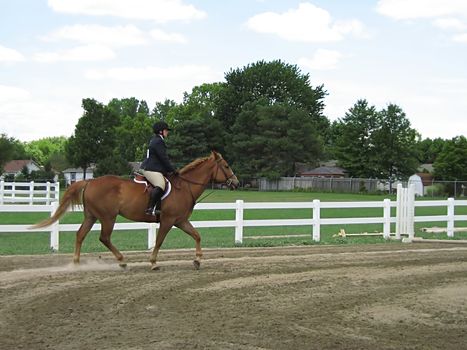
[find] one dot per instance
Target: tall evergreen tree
(395, 144)
(353, 140)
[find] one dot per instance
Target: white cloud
(160, 35)
(87, 53)
(186, 72)
(10, 55)
(118, 36)
(413, 9)
(322, 60)
(461, 38)
(12, 93)
(449, 24)
(307, 23)
(157, 10)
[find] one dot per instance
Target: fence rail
(29, 192)
(404, 223)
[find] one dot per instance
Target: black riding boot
(154, 198)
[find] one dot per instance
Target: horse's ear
(216, 155)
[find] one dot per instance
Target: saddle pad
(142, 180)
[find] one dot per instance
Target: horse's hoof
(196, 264)
(155, 267)
(123, 265)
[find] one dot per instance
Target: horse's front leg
(187, 227)
(161, 233)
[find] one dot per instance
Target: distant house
(14, 167)
(76, 174)
(324, 171)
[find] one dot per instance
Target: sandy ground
(392, 296)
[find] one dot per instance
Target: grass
(38, 242)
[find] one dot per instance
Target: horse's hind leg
(86, 226)
(187, 227)
(107, 226)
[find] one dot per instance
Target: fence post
(316, 220)
(31, 193)
(47, 193)
(2, 191)
(386, 218)
(410, 211)
(239, 221)
(57, 191)
(399, 211)
(450, 221)
(152, 233)
(54, 233)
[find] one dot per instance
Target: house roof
(78, 170)
(17, 165)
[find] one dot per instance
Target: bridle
(228, 181)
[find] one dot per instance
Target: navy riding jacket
(156, 157)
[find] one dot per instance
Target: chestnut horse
(105, 197)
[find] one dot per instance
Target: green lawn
(38, 243)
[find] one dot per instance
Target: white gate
(405, 211)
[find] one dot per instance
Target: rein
(189, 181)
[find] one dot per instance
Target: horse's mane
(193, 165)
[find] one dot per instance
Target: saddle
(141, 179)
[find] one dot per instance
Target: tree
(451, 163)
(41, 150)
(428, 149)
(196, 129)
(276, 90)
(10, 149)
(394, 141)
(353, 143)
(94, 136)
(274, 82)
(267, 140)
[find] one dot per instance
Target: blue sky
(55, 53)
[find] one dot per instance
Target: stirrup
(149, 211)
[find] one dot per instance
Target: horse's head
(223, 173)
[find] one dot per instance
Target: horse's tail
(73, 196)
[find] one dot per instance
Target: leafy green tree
(267, 140)
(113, 164)
(94, 137)
(395, 144)
(41, 150)
(196, 130)
(10, 149)
(165, 111)
(353, 140)
(261, 87)
(274, 82)
(428, 149)
(451, 163)
(126, 107)
(133, 135)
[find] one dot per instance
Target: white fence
(29, 192)
(404, 218)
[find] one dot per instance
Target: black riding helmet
(160, 126)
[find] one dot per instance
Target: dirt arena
(391, 296)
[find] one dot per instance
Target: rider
(157, 164)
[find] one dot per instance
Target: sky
(55, 53)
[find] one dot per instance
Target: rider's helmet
(160, 126)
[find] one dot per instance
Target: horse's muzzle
(233, 183)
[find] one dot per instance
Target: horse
(105, 197)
